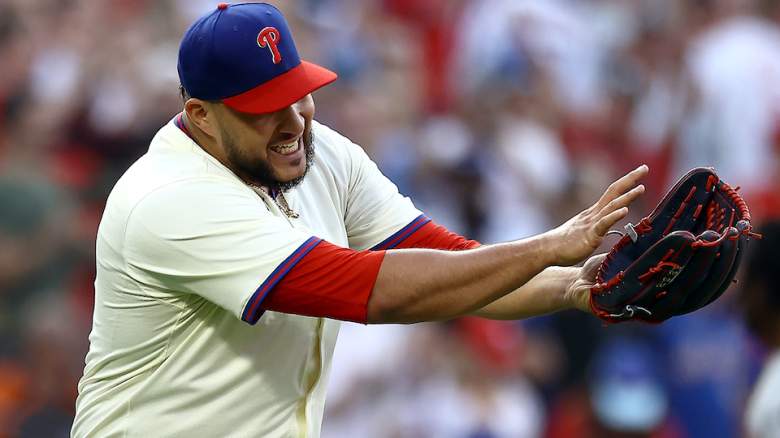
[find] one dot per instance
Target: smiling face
(273, 150)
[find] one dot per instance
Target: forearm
(425, 285)
(545, 293)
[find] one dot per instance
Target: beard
(258, 171)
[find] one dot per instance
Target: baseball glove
(678, 259)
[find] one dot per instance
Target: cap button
(222, 6)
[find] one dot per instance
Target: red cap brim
(283, 90)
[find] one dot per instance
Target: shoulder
(331, 145)
(329, 137)
(174, 164)
(338, 153)
(196, 197)
(173, 155)
(175, 182)
(180, 211)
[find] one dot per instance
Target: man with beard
(227, 253)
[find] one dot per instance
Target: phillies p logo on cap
(244, 55)
(268, 38)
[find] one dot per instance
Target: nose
(292, 123)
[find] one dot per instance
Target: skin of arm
(415, 285)
(452, 283)
(545, 293)
(554, 289)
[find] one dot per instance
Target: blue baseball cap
(244, 55)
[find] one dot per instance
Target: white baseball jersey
(185, 254)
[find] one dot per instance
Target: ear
(201, 114)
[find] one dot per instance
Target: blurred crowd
(500, 118)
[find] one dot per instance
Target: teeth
(286, 149)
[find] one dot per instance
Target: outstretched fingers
(623, 200)
(605, 223)
(622, 185)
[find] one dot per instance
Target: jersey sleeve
(434, 236)
(330, 281)
(336, 282)
(214, 240)
(375, 210)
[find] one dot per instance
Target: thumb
(591, 267)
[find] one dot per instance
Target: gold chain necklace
(279, 200)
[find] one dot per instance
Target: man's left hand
(578, 291)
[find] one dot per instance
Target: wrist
(549, 249)
(570, 276)
(563, 286)
(577, 292)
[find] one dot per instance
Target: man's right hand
(576, 239)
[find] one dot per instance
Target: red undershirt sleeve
(435, 236)
(330, 281)
(335, 282)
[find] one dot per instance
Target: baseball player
(228, 253)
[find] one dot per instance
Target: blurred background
(500, 118)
